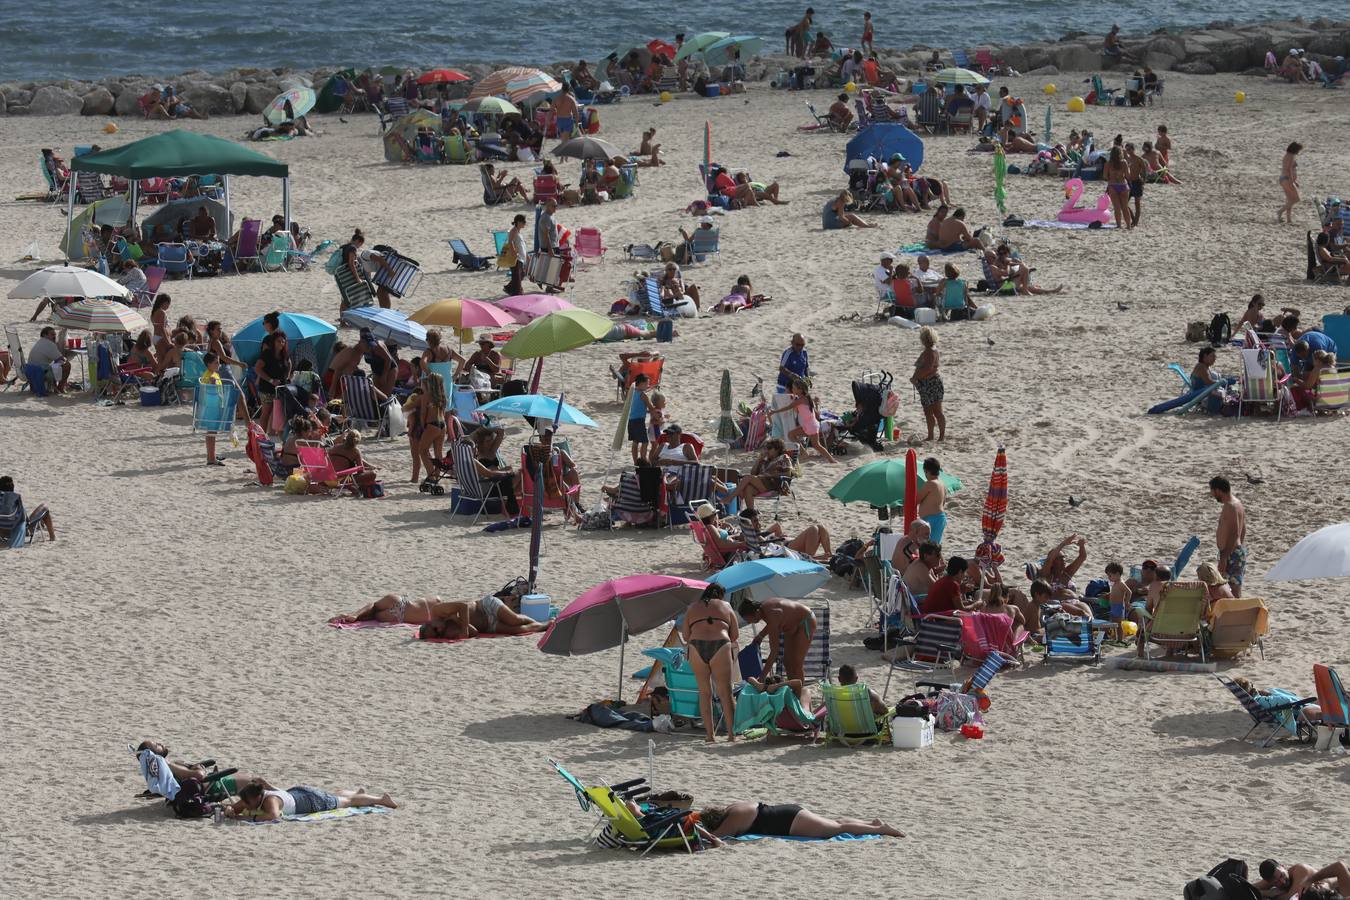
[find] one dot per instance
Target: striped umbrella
(301, 99)
(387, 325)
(495, 84)
(532, 86)
(995, 507)
(99, 315)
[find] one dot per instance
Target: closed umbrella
(911, 503)
(957, 75)
(882, 483)
(495, 83)
(606, 615)
(587, 147)
(1000, 176)
(98, 315)
(1049, 120)
(556, 333)
(67, 281)
(1323, 554)
(740, 45)
(528, 307)
(301, 99)
(698, 42)
(988, 552)
(462, 313)
(442, 76)
(538, 406)
(774, 577)
(387, 325)
(727, 429)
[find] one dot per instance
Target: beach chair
(818, 661)
(657, 828)
(175, 259)
(936, 641)
(353, 289)
(824, 122)
(246, 250)
(962, 120)
(399, 275)
(713, 558)
(1337, 327)
(927, 112)
(546, 187)
(1104, 95)
(680, 681)
(984, 60)
(1332, 701)
(590, 244)
(492, 195)
(1177, 622)
(705, 242)
(391, 110)
(689, 484)
(978, 682)
(361, 407)
(557, 495)
(984, 634)
(89, 187)
(469, 488)
(154, 278)
(456, 149)
(652, 368)
(319, 469)
(277, 253)
(960, 59)
(1333, 390)
(641, 498)
(17, 360)
(1084, 645)
(1282, 718)
(1259, 383)
(189, 375)
(19, 528)
(1237, 625)
(646, 293)
(464, 258)
(953, 298)
(849, 719)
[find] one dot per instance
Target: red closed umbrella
(911, 487)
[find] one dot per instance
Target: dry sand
(189, 605)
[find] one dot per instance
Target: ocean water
(86, 40)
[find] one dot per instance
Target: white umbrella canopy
(67, 281)
(1323, 554)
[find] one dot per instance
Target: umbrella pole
(623, 645)
(286, 200)
(229, 223)
(135, 195)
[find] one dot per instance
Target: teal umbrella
(721, 52)
(698, 42)
(881, 483)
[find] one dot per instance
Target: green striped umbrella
(99, 315)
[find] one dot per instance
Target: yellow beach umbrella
(462, 313)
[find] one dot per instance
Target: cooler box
(149, 396)
(712, 90)
(925, 316)
(911, 733)
(536, 606)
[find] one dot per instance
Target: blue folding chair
(175, 259)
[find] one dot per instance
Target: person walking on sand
(932, 499)
(928, 383)
(1289, 182)
(710, 632)
(1116, 174)
(1137, 169)
(1232, 533)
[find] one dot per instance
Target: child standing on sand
(211, 376)
(1120, 595)
(637, 418)
(866, 43)
(656, 416)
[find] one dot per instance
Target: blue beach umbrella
(719, 53)
(538, 406)
(387, 325)
(774, 577)
(882, 140)
(300, 329)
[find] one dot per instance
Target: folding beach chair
(89, 187)
(469, 488)
(680, 681)
(936, 642)
(456, 149)
(17, 360)
(1332, 700)
(361, 407)
(590, 244)
(705, 242)
(1178, 620)
(399, 275)
(546, 187)
(19, 528)
(154, 278)
(1259, 383)
(984, 60)
(960, 59)
(465, 259)
(1286, 718)
(557, 494)
(393, 109)
(354, 290)
(278, 252)
(688, 485)
(984, 634)
(647, 294)
(1237, 625)
(641, 497)
(175, 259)
(953, 298)
(978, 682)
(657, 828)
(246, 250)
(849, 719)
(214, 407)
(713, 559)
(817, 664)
(652, 368)
(1333, 390)
(927, 112)
(760, 709)
(1082, 643)
(319, 469)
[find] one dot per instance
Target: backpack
(190, 803)
(1220, 329)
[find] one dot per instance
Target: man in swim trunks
(953, 235)
(789, 626)
(266, 805)
(932, 496)
(1232, 533)
(1138, 170)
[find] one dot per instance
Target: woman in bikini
(1289, 183)
(1116, 173)
(783, 820)
(770, 474)
(788, 626)
(430, 406)
(437, 352)
(710, 632)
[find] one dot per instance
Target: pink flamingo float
(1072, 212)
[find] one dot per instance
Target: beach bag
(1197, 332)
(952, 710)
(373, 490)
(190, 803)
(296, 483)
(1220, 330)
(398, 422)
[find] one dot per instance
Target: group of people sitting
(1329, 260)
(739, 190)
(1298, 67)
(891, 185)
(163, 101)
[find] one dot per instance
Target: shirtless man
(219, 789)
(1138, 169)
(1058, 572)
(932, 496)
(787, 623)
(907, 548)
(650, 149)
(931, 234)
(919, 574)
(1301, 881)
(565, 112)
(954, 235)
(1163, 144)
(1232, 533)
(840, 114)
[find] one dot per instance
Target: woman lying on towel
(783, 820)
(263, 805)
(445, 618)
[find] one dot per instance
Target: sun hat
(1208, 574)
(486, 339)
(706, 220)
(706, 510)
(888, 255)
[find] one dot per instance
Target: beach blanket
(1061, 226)
(923, 249)
(807, 840)
(355, 625)
(320, 816)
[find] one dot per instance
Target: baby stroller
(868, 397)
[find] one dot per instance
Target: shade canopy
(169, 214)
(106, 316)
(882, 483)
(773, 577)
(557, 332)
(1323, 554)
(462, 313)
(386, 325)
(538, 406)
(179, 153)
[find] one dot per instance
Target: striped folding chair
(818, 660)
(937, 641)
(1083, 645)
(1259, 382)
(1280, 718)
(399, 275)
(361, 407)
(355, 291)
(469, 487)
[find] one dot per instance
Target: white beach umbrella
(1323, 554)
(67, 281)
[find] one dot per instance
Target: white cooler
(925, 315)
(911, 733)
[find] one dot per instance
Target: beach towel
(1062, 226)
(806, 840)
(346, 813)
(922, 249)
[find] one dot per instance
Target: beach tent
(328, 100)
(114, 211)
(882, 139)
(186, 208)
(181, 153)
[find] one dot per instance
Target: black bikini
(708, 648)
(774, 819)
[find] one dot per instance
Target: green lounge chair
(758, 709)
(656, 829)
(1178, 620)
(849, 719)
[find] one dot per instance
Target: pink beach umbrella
(528, 307)
(604, 616)
(462, 313)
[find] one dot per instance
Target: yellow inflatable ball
(1240, 97)
(1049, 90)
(851, 88)
(1076, 104)
(666, 97)
(110, 128)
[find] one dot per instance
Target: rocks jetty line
(1218, 47)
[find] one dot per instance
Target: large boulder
(1072, 57)
(1225, 51)
(128, 102)
(209, 98)
(50, 100)
(1197, 67)
(238, 95)
(98, 102)
(1041, 71)
(256, 98)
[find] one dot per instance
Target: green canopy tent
(329, 101)
(178, 153)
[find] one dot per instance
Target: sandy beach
(187, 604)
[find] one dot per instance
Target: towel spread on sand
(923, 249)
(1062, 226)
(807, 840)
(321, 816)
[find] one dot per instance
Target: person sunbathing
(954, 235)
(740, 193)
(504, 185)
(999, 603)
(813, 541)
(1006, 267)
(1016, 143)
(771, 474)
(782, 820)
(674, 288)
(460, 619)
(265, 805)
(763, 192)
(649, 149)
(841, 117)
(346, 454)
(221, 788)
(1330, 262)
(1042, 595)
(1301, 881)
